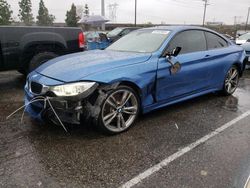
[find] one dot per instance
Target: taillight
(81, 40)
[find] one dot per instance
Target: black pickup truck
(26, 48)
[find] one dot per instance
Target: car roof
(129, 27)
(179, 28)
(247, 33)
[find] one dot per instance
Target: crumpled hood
(76, 66)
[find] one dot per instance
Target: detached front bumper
(35, 110)
(68, 111)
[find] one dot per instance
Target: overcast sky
(155, 11)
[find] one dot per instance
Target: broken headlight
(71, 89)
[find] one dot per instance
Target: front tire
(119, 110)
(231, 81)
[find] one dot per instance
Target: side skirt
(168, 103)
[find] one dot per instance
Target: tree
(44, 18)
(82, 11)
(71, 17)
(5, 13)
(25, 12)
(79, 11)
(86, 10)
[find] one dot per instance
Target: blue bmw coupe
(145, 70)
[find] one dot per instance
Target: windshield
(114, 32)
(92, 35)
(245, 36)
(146, 41)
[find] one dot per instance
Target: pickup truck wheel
(22, 71)
(41, 58)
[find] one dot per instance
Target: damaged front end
(60, 103)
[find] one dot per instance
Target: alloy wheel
(119, 110)
(232, 80)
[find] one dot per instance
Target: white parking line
(247, 185)
(137, 179)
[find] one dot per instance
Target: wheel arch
(35, 48)
(135, 87)
(240, 67)
(108, 87)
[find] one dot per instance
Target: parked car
(119, 32)
(241, 32)
(229, 37)
(246, 47)
(96, 40)
(243, 39)
(143, 71)
(26, 48)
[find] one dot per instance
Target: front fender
(142, 75)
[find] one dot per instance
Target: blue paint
(91, 45)
(199, 74)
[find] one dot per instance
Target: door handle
(206, 56)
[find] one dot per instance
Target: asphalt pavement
(43, 155)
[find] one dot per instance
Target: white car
(246, 47)
(243, 39)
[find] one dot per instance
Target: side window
(215, 41)
(189, 41)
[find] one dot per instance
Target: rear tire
(40, 59)
(231, 81)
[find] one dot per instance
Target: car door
(218, 56)
(193, 77)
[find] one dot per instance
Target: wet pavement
(38, 155)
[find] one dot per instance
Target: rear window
(92, 35)
(215, 41)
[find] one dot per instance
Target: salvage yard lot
(32, 154)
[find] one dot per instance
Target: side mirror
(175, 67)
(176, 51)
(248, 40)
